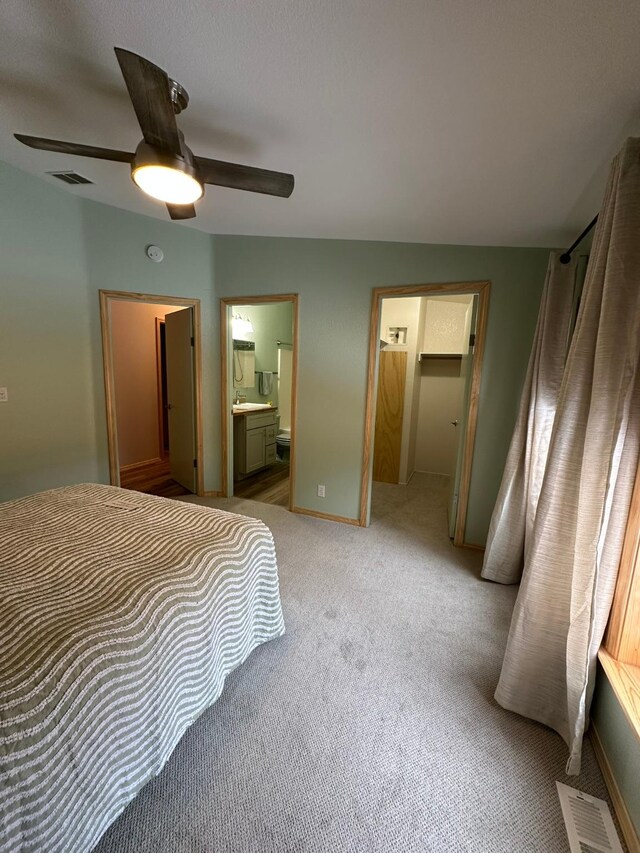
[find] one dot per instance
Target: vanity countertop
(255, 409)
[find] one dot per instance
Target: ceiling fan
(163, 166)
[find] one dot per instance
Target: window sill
(625, 681)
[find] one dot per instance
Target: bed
(121, 614)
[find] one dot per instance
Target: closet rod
(284, 344)
(566, 256)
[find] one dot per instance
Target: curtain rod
(566, 256)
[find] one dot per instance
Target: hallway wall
(135, 372)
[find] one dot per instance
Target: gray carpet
(371, 725)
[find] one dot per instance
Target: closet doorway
(151, 356)
(258, 398)
(426, 349)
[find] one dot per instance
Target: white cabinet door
(255, 449)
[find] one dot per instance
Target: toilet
(283, 443)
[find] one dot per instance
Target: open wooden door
(389, 414)
(181, 397)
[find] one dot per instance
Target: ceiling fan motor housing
(179, 96)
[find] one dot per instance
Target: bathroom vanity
(254, 438)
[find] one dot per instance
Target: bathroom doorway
(424, 377)
(259, 366)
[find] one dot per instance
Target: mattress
(121, 614)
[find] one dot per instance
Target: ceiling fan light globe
(173, 186)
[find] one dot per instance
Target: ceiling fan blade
(244, 177)
(181, 211)
(74, 148)
(150, 92)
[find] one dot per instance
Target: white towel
(265, 382)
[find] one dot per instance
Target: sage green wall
(114, 244)
(334, 279)
(56, 252)
(48, 428)
(620, 744)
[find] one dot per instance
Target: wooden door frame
(479, 288)
(161, 432)
(225, 304)
(106, 298)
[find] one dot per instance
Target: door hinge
(195, 463)
(193, 341)
(472, 340)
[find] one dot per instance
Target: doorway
(151, 356)
(259, 369)
(426, 349)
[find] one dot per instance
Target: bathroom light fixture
(241, 325)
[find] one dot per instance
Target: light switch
(4, 396)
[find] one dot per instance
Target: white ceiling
(450, 121)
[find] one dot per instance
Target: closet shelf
(424, 355)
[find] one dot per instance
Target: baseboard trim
(213, 494)
(325, 516)
(432, 473)
(627, 827)
(472, 547)
(134, 466)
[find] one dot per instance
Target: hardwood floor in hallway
(153, 478)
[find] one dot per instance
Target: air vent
(588, 820)
(70, 177)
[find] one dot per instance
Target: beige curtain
(576, 538)
(515, 510)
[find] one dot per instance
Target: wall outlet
(4, 396)
(320, 491)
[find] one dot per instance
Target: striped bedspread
(120, 616)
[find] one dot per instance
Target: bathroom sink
(250, 407)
